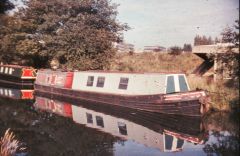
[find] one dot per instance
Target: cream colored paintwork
(215, 48)
(135, 132)
(138, 84)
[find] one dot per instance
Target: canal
(49, 126)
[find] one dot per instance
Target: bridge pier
(212, 54)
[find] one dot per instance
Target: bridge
(211, 55)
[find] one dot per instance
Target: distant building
(154, 49)
(125, 47)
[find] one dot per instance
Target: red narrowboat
(17, 75)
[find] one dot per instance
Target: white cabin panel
(155, 84)
(138, 84)
(134, 131)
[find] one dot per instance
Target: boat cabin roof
(114, 72)
(14, 66)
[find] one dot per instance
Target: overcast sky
(174, 22)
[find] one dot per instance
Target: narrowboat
(17, 76)
(139, 126)
(155, 92)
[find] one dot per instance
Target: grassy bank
(223, 96)
(154, 62)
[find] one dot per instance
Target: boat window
(99, 121)
(182, 83)
(180, 143)
(168, 142)
(100, 81)
(170, 85)
(90, 80)
(123, 84)
(122, 127)
(89, 118)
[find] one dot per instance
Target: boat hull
(18, 76)
(188, 105)
(17, 82)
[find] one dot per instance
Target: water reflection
(167, 133)
(85, 128)
(223, 129)
(19, 93)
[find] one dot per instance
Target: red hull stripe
(180, 96)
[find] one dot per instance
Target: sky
(174, 22)
(18, 4)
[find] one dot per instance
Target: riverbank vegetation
(77, 34)
(224, 94)
(9, 145)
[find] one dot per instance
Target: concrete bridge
(211, 55)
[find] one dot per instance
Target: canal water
(49, 126)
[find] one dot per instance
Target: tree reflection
(223, 130)
(49, 134)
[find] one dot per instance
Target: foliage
(222, 96)
(228, 35)
(175, 50)
(231, 59)
(5, 5)
(202, 40)
(9, 145)
(155, 62)
(223, 144)
(223, 130)
(78, 33)
(187, 47)
(236, 36)
(217, 40)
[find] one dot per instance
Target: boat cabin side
(20, 72)
(54, 78)
(130, 83)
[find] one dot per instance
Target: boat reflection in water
(20, 93)
(167, 133)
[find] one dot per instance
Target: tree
(202, 40)
(216, 40)
(231, 59)
(78, 33)
(175, 50)
(187, 47)
(210, 41)
(5, 5)
(236, 34)
(228, 35)
(196, 40)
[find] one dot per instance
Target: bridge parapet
(215, 48)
